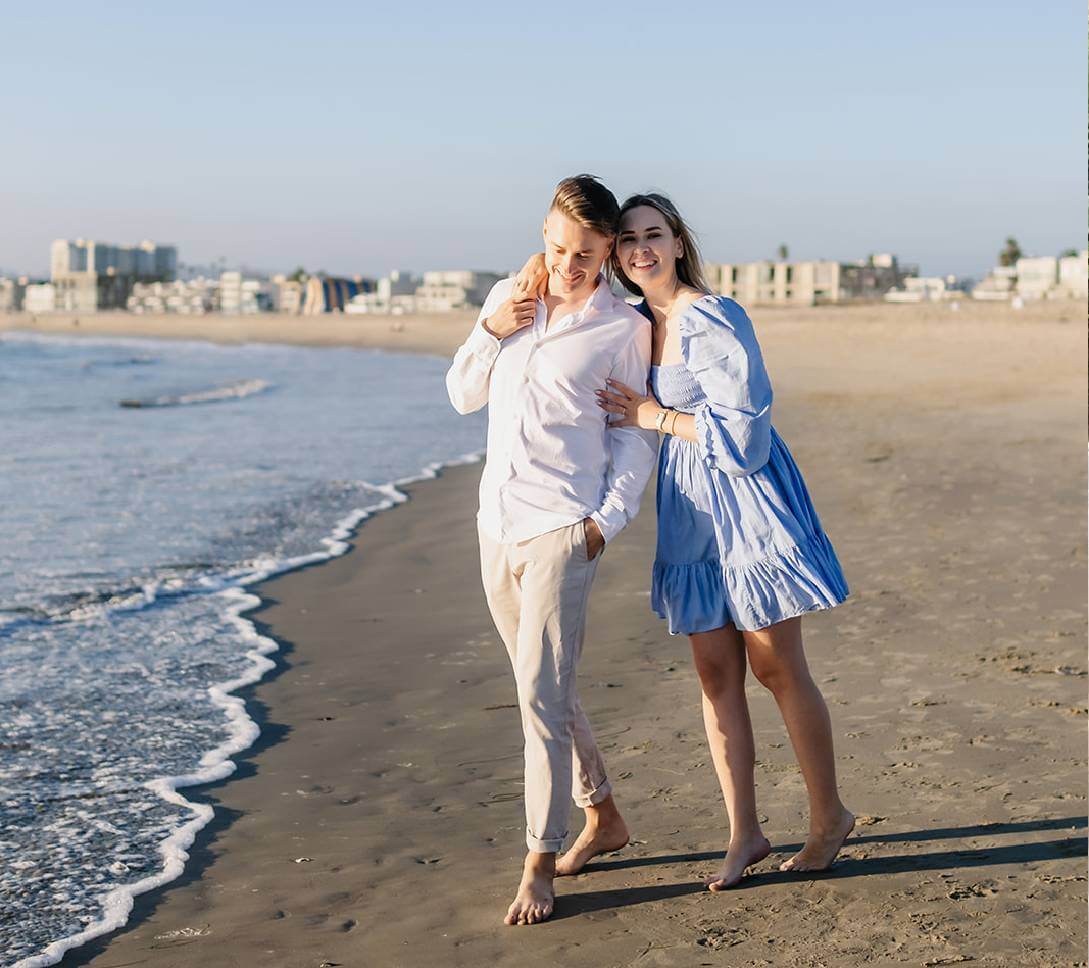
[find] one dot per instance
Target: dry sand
(378, 821)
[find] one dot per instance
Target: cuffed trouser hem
(553, 845)
(592, 799)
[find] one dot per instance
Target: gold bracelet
(673, 423)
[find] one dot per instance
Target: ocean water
(143, 485)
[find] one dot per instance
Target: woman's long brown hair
(689, 264)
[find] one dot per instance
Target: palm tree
(1010, 254)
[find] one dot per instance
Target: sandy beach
(378, 822)
(443, 333)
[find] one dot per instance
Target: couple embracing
(564, 367)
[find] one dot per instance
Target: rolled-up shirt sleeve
(469, 376)
(632, 450)
(733, 425)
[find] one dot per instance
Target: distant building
(872, 278)
(12, 294)
(807, 283)
(329, 294)
(192, 297)
(286, 295)
(242, 296)
(368, 303)
(918, 289)
(398, 283)
(1036, 276)
(1074, 275)
(88, 276)
(444, 291)
(40, 298)
(997, 286)
(395, 293)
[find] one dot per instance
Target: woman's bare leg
(778, 661)
(720, 663)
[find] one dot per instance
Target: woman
(741, 555)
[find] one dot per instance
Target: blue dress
(738, 539)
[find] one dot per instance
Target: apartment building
(807, 283)
(88, 275)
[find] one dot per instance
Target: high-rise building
(89, 275)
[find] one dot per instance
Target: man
(558, 485)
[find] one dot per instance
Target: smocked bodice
(676, 387)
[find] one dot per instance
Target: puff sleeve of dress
(719, 348)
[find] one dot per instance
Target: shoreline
(395, 770)
(219, 765)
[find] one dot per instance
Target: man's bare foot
(596, 838)
(534, 901)
(821, 847)
(739, 857)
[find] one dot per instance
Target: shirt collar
(601, 299)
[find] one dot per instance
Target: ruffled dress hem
(751, 595)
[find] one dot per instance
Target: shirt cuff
(482, 344)
(610, 522)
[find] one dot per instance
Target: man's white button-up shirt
(552, 459)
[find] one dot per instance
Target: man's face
(573, 255)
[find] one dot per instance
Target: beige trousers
(537, 591)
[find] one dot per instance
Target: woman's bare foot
(739, 857)
(596, 838)
(534, 901)
(821, 846)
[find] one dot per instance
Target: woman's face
(647, 249)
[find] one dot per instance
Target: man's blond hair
(583, 199)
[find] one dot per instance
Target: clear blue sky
(359, 138)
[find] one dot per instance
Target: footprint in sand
(982, 889)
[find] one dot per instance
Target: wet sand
(378, 820)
